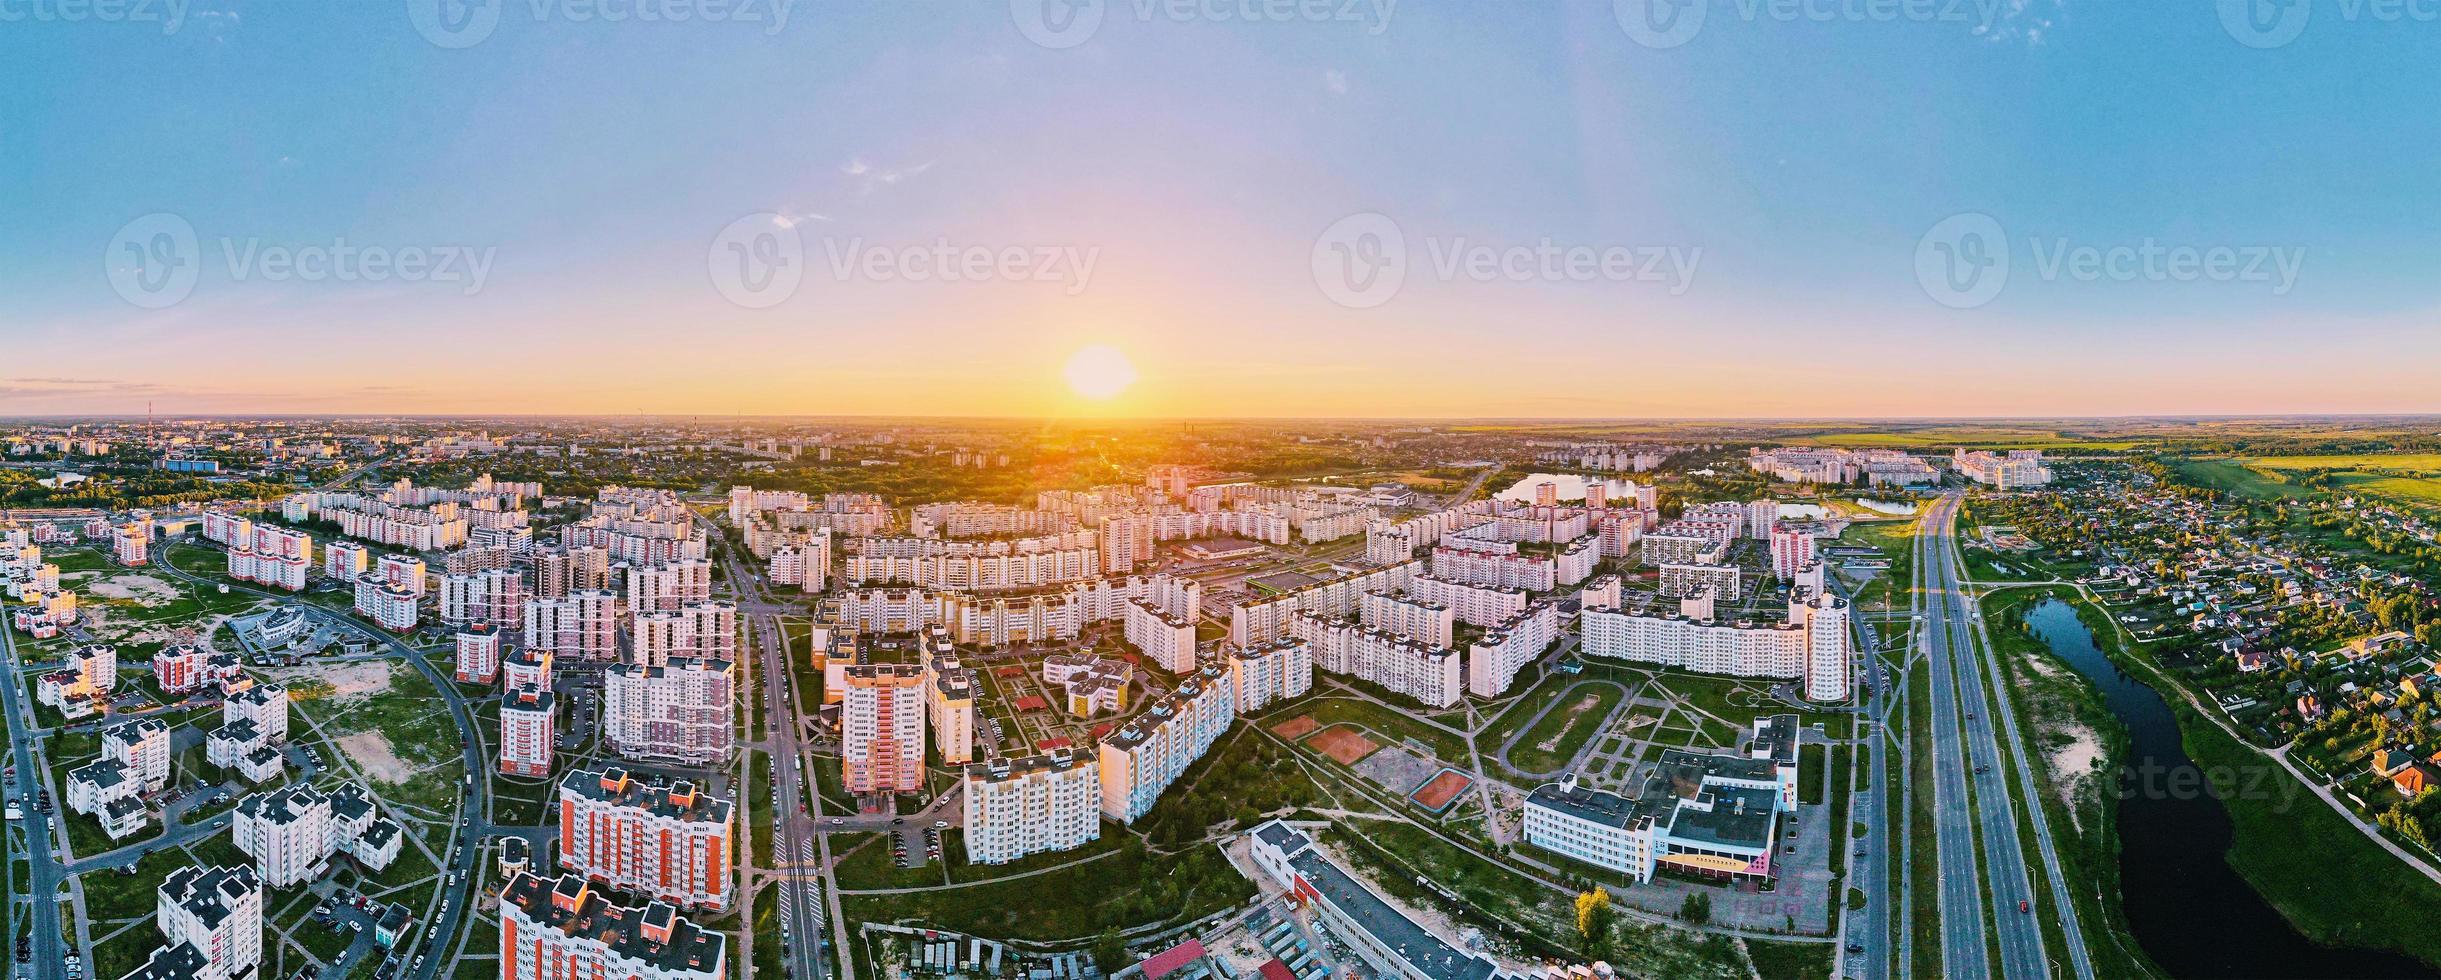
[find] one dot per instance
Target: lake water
(1887, 507)
(2189, 909)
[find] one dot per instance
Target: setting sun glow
(1099, 372)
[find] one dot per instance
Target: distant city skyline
(2051, 209)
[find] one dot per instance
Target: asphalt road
(42, 884)
(1967, 766)
(796, 847)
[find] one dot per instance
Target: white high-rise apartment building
(684, 711)
(583, 624)
(702, 629)
(478, 659)
(1791, 550)
(143, 746)
(1164, 639)
(1267, 673)
(287, 832)
(663, 837)
(389, 605)
(529, 724)
(1031, 804)
(1494, 659)
(1812, 647)
(211, 922)
(346, 561)
(1142, 757)
(496, 596)
(1426, 621)
(1433, 675)
(266, 553)
(668, 586)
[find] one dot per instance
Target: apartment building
(560, 572)
(83, 682)
(1266, 620)
(1142, 757)
(391, 606)
(143, 746)
(684, 711)
(654, 834)
(478, 653)
(1031, 805)
(527, 669)
(1474, 605)
(1493, 660)
(1433, 675)
(253, 724)
(581, 625)
(953, 688)
(106, 790)
(1812, 646)
(1425, 620)
(496, 596)
(882, 728)
(346, 561)
(668, 586)
(266, 554)
(1164, 639)
(1268, 673)
(706, 629)
(211, 923)
(567, 928)
(293, 832)
(529, 725)
(1791, 550)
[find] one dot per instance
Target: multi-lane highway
(42, 884)
(798, 851)
(1983, 873)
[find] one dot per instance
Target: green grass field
(1566, 727)
(2237, 479)
(1994, 438)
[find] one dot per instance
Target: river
(2189, 909)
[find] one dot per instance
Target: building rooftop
(654, 934)
(655, 793)
(1427, 954)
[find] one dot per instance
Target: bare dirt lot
(371, 752)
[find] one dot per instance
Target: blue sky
(1794, 166)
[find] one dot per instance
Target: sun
(1099, 372)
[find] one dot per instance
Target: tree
(1593, 918)
(1110, 950)
(1696, 909)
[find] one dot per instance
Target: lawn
(1553, 741)
(1130, 887)
(2237, 479)
(1447, 746)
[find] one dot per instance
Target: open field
(1987, 438)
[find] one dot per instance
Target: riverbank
(2322, 876)
(2079, 749)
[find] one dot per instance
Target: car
(2024, 906)
(896, 821)
(940, 824)
(1856, 947)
